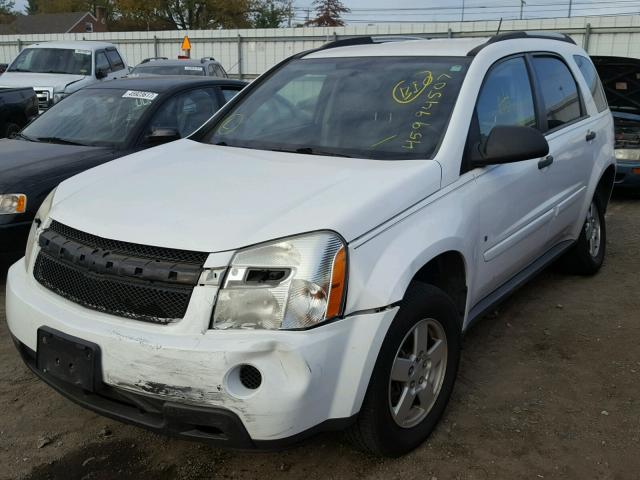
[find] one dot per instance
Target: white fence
(247, 53)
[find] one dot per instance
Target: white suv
(311, 257)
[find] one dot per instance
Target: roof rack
(368, 40)
(151, 59)
(561, 37)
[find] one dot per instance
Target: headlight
(11, 203)
(58, 96)
(628, 154)
(41, 216)
(288, 284)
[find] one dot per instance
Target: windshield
(53, 60)
(97, 117)
(169, 70)
(373, 107)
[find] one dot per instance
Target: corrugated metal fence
(249, 52)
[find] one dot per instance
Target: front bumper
(627, 175)
(308, 377)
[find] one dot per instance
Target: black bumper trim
(211, 425)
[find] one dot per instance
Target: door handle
(590, 136)
(545, 162)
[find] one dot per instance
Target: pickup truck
(17, 107)
(58, 69)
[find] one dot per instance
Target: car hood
(193, 196)
(618, 76)
(52, 80)
(24, 164)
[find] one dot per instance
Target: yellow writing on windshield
(424, 111)
(230, 123)
(407, 91)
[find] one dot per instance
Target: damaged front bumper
(182, 378)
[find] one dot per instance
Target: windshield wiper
(313, 151)
(61, 141)
(309, 151)
(20, 70)
(25, 137)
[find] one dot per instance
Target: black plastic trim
(498, 295)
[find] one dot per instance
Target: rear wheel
(413, 377)
(587, 255)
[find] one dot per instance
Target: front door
(514, 198)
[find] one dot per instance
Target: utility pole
(570, 2)
(462, 16)
(290, 13)
(522, 4)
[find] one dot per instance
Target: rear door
(513, 198)
(572, 137)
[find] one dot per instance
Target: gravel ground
(548, 388)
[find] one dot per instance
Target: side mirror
(508, 144)
(160, 136)
(100, 74)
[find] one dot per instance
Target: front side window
(102, 63)
(559, 91)
(115, 60)
(53, 60)
(97, 117)
(593, 80)
(186, 112)
(367, 107)
(506, 97)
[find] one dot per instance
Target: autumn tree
(328, 13)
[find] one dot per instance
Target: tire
(587, 254)
(10, 130)
(379, 431)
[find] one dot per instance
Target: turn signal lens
(338, 280)
(12, 203)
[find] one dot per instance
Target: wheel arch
(604, 187)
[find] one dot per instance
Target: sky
(384, 11)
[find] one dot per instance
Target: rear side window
(559, 91)
(593, 80)
(115, 59)
(506, 97)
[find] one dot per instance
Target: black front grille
(126, 248)
(124, 298)
(124, 281)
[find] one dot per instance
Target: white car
(310, 258)
(57, 69)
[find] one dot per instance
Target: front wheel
(587, 255)
(413, 377)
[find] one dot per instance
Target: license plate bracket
(70, 359)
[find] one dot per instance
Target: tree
(328, 13)
(6, 7)
(186, 14)
(270, 13)
(32, 7)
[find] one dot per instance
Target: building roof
(43, 23)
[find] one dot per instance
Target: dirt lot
(548, 388)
